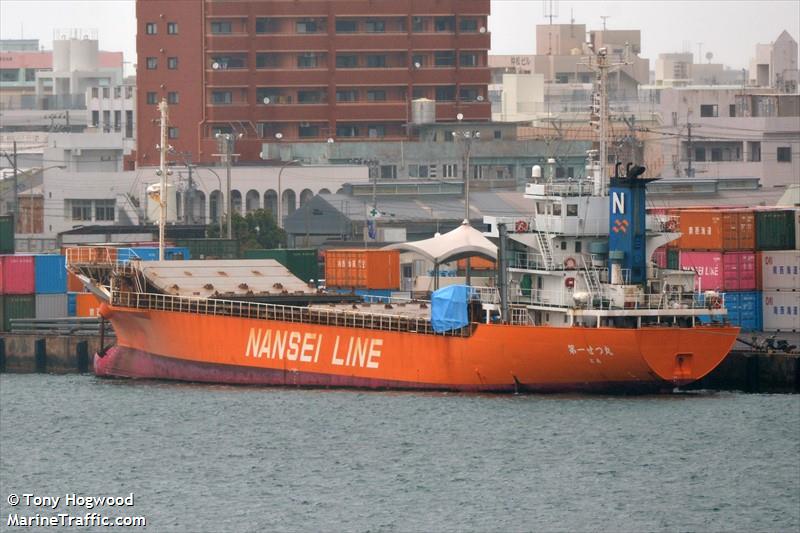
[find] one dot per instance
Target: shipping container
(780, 270)
(17, 306)
(6, 234)
(660, 257)
(363, 269)
(781, 311)
(71, 304)
(775, 229)
(673, 259)
(86, 304)
(50, 274)
(151, 254)
(74, 284)
(476, 263)
(738, 229)
(700, 230)
(721, 271)
(302, 262)
(211, 248)
(744, 310)
(51, 306)
(18, 274)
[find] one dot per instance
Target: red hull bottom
(124, 362)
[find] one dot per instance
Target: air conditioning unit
(77, 152)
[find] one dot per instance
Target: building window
(117, 120)
(572, 210)
(95, 118)
(226, 62)
(307, 61)
(376, 61)
(562, 77)
(346, 131)
(218, 130)
(117, 92)
(376, 95)
(469, 59)
(172, 98)
(755, 151)
(709, 110)
(172, 132)
(9, 74)
(309, 97)
(418, 24)
(30, 74)
(450, 171)
(498, 134)
(578, 247)
(468, 25)
(152, 63)
(716, 154)
(306, 26)
(784, 154)
(732, 110)
(444, 58)
(172, 28)
(150, 28)
(221, 97)
(418, 61)
(266, 60)
(172, 63)
(375, 26)
(444, 24)
(446, 93)
(307, 130)
(95, 92)
(81, 210)
(418, 171)
(221, 27)
(104, 210)
(375, 131)
(152, 99)
(106, 92)
(346, 61)
(700, 154)
(266, 25)
(468, 94)
(346, 26)
(347, 96)
(388, 172)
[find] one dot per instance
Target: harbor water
(213, 458)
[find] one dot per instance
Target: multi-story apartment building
(304, 70)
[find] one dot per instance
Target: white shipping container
(781, 311)
(780, 269)
(51, 306)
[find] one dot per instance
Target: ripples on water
(211, 458)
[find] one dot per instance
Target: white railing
(283, 313)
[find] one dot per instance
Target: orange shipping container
(363, 269)
(87, 304)
(739, 229)
(476, 263)
(700, 230)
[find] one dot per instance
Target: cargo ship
(578, 305)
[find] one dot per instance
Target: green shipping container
(17, 306)
(673, 258)
(211, 248)
(302, 262)
(775, 229)
(7, 234)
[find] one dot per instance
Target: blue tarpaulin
(449, 308)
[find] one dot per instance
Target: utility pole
(163, 195)
(689, 169)
(15, 196)
(226, 142)
(187, 203)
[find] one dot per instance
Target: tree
(257, 229)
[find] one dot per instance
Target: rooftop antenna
(604, 17)
(550, 9)
(571, 23)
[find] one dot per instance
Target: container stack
(752, 256)
(302, 262)
(17, 289)
(371, 272)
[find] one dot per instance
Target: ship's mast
(162, 193)
(601, 64)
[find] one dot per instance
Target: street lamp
(466, 136)
(226, 141)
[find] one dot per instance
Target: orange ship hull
(220, 349)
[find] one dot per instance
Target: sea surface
(213, 458)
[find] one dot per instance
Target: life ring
(671, 225)
(569, 283)
(570, 263)
(521, 226)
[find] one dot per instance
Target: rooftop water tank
(423, 111)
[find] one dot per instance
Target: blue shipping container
(151, 254)
(50, 274)
(744, 310)
(72, 304)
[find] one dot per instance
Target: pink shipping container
(718, 271)
(18, 274)
(660, 257)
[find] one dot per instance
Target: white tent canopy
(464, 241)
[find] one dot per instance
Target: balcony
(290, 42)
(371, 76)
(371, 41)
(289, 112)
(372, 111)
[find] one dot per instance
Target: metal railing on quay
(282, 313)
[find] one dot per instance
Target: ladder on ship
(591, 276)
(545, 250)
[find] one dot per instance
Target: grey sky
(730, 29)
